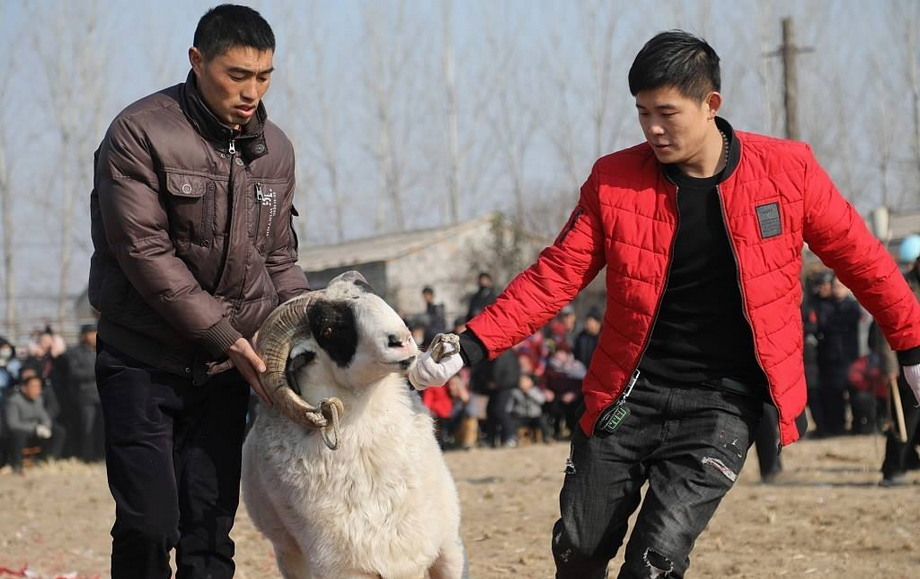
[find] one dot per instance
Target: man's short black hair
(676, 59)
(228, 25)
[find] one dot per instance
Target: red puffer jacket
(777, 199)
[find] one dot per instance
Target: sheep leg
(291, 562)
(451, 563)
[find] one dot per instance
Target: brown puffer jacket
(192, 230)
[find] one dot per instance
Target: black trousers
(766, 438)
(90, 434)
(173, 456)
(687, 445)
(901, 456)
(499, 424)
(50, 447)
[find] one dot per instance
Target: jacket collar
(734, 148)
(734, 156)
(250, 138)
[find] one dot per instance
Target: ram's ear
(293, 367)
(334, 327)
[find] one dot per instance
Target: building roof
(900, 225)
(385, 247)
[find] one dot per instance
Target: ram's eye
(393, 341)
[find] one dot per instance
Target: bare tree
(306, 96)
(71, 45)
(468, 155)
(9, 63)
(592, 108)
(395, 78)
(514, 116)
(912, 65)
(450, 86)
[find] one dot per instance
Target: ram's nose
(403, 340)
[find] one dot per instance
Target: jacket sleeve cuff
(219, 337)
(908, 357)
(471, 349)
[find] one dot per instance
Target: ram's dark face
(355, 338)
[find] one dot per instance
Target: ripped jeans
(688, 443)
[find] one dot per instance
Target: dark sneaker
(897, 480)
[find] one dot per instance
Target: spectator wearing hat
(29, 424)
(434, 320)
(559, 330)
(838, 348)
(484, 295)
(817, 288)
(586, 340)
(81, 375)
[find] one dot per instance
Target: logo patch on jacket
(768, 218)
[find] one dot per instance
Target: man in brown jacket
(194, 246)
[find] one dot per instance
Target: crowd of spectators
(50, 408)
(49, 404)
(534, 389)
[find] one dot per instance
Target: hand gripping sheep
(342, 473)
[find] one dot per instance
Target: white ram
(356, 485)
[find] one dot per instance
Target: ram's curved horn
(284, 325)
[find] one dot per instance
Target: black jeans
(688, 444)
(173, 456)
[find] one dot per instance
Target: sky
(528, 82)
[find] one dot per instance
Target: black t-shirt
(701, 333)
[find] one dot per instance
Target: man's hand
(43, 431)
(436, 365)
(912, 375)
(245, 359)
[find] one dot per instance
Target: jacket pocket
(190, 207)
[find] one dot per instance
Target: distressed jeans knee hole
(659, 566)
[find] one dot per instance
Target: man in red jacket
(701, 229)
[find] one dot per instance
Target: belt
(748, 389)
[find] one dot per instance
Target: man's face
(676, 126)
(90, 339)
(233, 83)
(569, 320)
(32, 388)
(593, 326)
(839, 290)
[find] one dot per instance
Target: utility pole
(453, 169)
(790, 81)
(788, 52)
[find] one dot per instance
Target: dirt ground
(825, 517)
